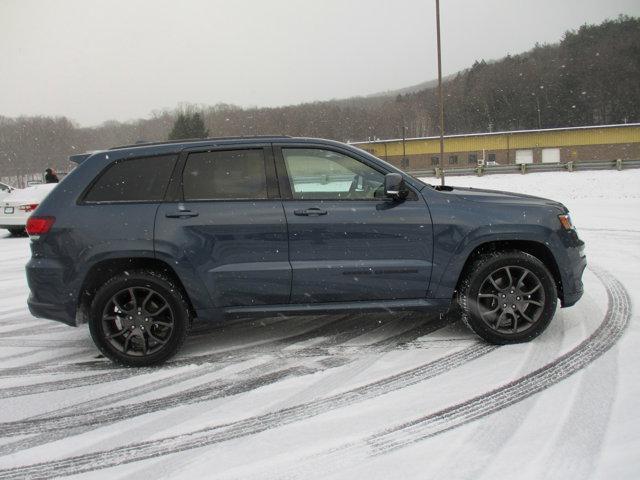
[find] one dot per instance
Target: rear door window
(133, 180)
(225, 175)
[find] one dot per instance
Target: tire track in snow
(73, 421)
(35, 368)
(16, 316)
(23, 354)
(243, 354)
(248, 426)
(327, 383)
(575, 449)
(12, 310)
(72, 416)
(340, 329)
(110, 372)
(121, 373)
(28, 330)
(34, 342)
(414, 431)
(493, 434)
(408, 433)
(487, 443)
(332, 328)
(615, 321)
(46, 367)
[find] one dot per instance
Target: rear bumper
(50, 311)
(13, 221)
(7, 225)
(50, 297)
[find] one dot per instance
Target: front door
(227, 224)
(347, 241)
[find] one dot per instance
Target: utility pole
(440, 97)
(404, 150)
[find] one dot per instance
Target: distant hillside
(412, 89)
(590, 77)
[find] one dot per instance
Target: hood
(498, 197)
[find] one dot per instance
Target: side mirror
(394, 186)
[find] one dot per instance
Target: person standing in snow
(50, 176)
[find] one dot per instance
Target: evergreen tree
(179, 130)
(196, 128)
(188, 125)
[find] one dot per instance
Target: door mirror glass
(394, 186)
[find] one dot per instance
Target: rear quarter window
(133, 180)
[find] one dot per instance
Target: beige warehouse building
(557, 145)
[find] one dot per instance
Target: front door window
(317, 174)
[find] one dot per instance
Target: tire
(17, 232)
(507, 297)
(145, 333)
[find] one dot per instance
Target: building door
(524, 156)
(550, 155)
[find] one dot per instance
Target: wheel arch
(103, 270)
(532, 247)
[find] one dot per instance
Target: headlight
(565, 221)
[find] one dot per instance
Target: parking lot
(345, 396)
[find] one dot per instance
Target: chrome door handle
(182, 214)
(313, 211)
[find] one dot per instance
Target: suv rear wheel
(139, 318)
(507, 297)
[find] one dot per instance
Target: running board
(433, 305)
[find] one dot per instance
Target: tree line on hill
(590, 77)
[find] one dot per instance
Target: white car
(16, 207)
(5, 190)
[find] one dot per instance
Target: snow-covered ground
(347, 396)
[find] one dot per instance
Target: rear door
(224, 219)
(347, 241)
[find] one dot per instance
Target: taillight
(39, 225)
(28, 208)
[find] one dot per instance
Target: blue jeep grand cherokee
(139, 240)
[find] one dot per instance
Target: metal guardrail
(527, 168)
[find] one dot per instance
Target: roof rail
(196, 140)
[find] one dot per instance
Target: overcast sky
(94, 60)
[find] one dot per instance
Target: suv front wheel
(507, 297)
(139, 318)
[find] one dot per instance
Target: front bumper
(572, 269)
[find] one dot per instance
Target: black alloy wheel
(139, 318)
(511, 299)
(507, 297)
(137, 321)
